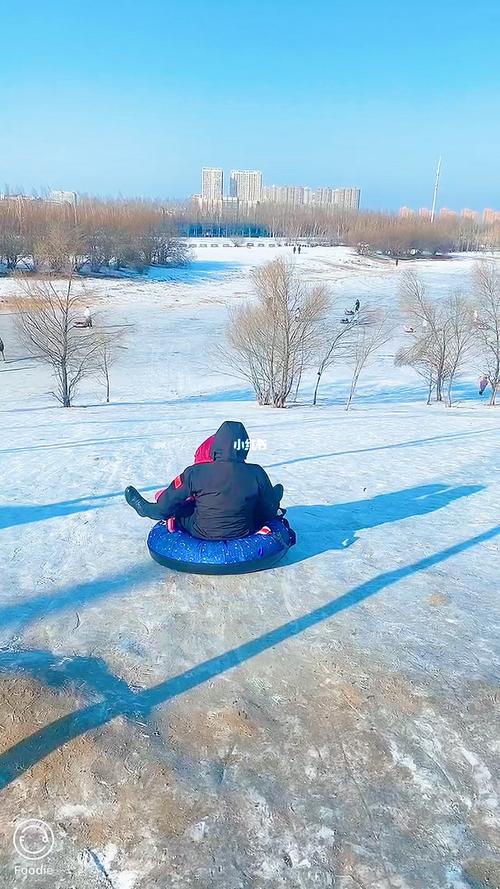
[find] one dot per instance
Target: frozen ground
(331, 723)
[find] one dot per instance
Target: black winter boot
(142, 506)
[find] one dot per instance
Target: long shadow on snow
(325, 527)
(72, 445)
(320, 528)
(77, 595)
(220, 395)
(58, 671)
(464, 390)
(416, 442)
(24, 514)
(193, 273)
(37, 746)
(91, 679)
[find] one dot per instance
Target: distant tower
(436, 186)
(246, 185)
(212, 184)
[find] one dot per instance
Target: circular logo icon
(33, 839)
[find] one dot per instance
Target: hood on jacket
(231, 442)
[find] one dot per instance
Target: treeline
(365, 232)
(98, 235)
(90, 237)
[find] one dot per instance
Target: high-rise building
(490, 215)
(347, 198)
(296, 195)
(425, 212)
(212, 184)
(406, 211)
(63, 197)
(446, 213)
(342, 198)
(246, 185)
(323, 196)
(466, 213)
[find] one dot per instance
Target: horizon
(45, 192)
(337, 97)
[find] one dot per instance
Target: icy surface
(328, 723)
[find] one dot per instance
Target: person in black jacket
(220, 500)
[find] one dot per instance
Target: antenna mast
(436, 186)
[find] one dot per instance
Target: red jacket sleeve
(178, 490)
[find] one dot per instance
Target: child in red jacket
(201, 455)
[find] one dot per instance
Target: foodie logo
(33, 839)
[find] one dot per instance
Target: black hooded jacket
(231, 498)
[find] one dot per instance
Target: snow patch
(407, 762)
(483, 780)
(197, 831)
(453, 875)
(73, 811)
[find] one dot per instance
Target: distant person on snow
(299, 249)
(356, 306)
(2, 348)
(216, 500)
(294, 248)
(88, 317)
(483, 383)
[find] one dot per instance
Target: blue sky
(133, 98)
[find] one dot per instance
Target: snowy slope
(355, 749)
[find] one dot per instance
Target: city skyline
(248, 186)
(274, 194)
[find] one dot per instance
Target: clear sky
(132, 98)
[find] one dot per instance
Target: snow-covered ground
(330, 723)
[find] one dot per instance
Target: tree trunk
(106, 374)
(315, 396)
(353, 389)
(429, 393)
(299, 378)
(279, 399)
(448, 400)
(450, 384)
(494, 390)
(66, 400)
(439, 387)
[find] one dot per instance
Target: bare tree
(443, 336)
(109, 343)
(366, 342)
(460, 332)
(429, 350)
(418, 356)
(276, 336)
(58, 249)
(337, 338)
(487, 322)
(45, 318)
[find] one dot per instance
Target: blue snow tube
(242, 555)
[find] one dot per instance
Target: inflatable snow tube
(243, 555)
